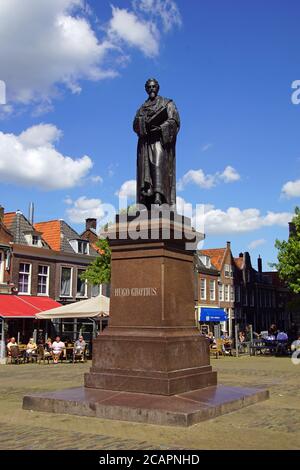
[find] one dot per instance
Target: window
(226, 292)
(245, 297)
(83, 247)
(273, 299)
(66, 282)
(1, 266)
(95, 290)
(203, 289)
(252, 299)
(81, 284)
(24, 278)
(43, 280)
(80, 246)
(221, 292)
(212, 290)
(231, 293)
(237, 293)
(227, 270)
(36, 240)
(206, 261)
(268, 303)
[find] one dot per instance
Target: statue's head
(152, 87)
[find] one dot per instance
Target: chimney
(31, 213)
(91, 224)
(292, 229)
(241, 255)
(228, 245)
(259, 264)
(1, 213)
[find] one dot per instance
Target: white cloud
(291, 189)
(126, 26)
(256, 243)
(49, 46)
(127, 190)
(183, 207)
(97, 179)
(205, 147)
(68, 200)
(46, 43)
(31, 159)
(235, 220)
(84, 208)
(229, 175)
(199, 178)
(166, 10)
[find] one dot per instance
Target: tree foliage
(99, 271)
(288, 264)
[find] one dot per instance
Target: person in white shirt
(11, 343)
(58, 347)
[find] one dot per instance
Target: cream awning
(90, 308)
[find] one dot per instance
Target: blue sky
(75, 74)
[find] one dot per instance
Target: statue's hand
(155, 129)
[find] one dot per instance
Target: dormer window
(33, 240)
(80, 246)
(36, 240)
(206, 260)
(83, 247)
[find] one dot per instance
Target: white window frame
(29, 278)
(85, 242)
(227, 270)
(232, 294)
(71, 282)
(47, 283)
(221, 292)
(202, 289)
(226, 293)
(206, 260)
(212, 293)
(85, 285)
(2, 266)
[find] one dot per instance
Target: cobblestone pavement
(273, 424)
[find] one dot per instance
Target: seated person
(281, 336)
(242, 341)
(79, 347)
(48, 348)
(212, 340)
(227, 342)
(57, 348)
(31, 348)
(12, 343)
(295, 345)
(242, 337)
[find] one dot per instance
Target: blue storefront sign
(208, 314)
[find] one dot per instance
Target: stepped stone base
(184, 409)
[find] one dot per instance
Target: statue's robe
(156, 176)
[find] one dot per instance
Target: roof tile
(51, 233)
(216, 256)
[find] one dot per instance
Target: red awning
(24, 306)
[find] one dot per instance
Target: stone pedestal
(152, 344)
(151, 364)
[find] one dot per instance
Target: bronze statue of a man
(156, 124)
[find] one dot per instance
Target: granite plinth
(183, 409)
(152, 344)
